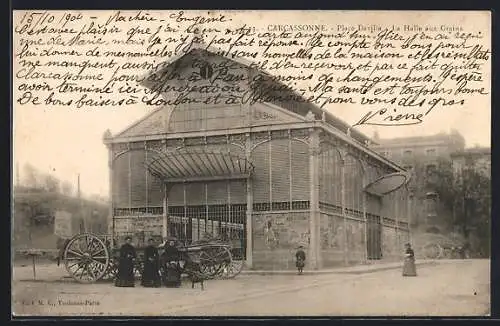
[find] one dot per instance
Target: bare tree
(468, 195)
(31, 176)
(67, 188)
(51, 183)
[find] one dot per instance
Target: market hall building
(269, 176)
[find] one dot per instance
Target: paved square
(458, 287)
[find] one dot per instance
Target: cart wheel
(213, 259)
(432, 251)
(86, 258)
(235, 265)
(111, 272)
(138, 268)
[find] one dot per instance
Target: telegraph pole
(83, 226)
(78, 187)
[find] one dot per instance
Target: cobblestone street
(458, 287)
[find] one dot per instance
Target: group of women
(165, 269)
(158, 269)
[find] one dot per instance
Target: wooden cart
(89, 258)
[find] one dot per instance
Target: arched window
(330, 166)
(430, 169)
(354, 173)
(431, 199)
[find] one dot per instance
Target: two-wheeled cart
(89, 258)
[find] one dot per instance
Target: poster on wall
(63, 224)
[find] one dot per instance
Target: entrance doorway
(373, 227)
(374, 237)
(205, 193)
(221, 215)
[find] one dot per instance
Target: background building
(420, 150)
(449, 186)
(423, 156)
(475, 158)
(270, 174)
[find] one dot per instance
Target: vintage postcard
(251, 163)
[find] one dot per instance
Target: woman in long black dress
(409, 268)
(125, 277)
(150, 275)
(171, 269)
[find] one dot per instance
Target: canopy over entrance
(191, 165)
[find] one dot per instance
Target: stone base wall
(342, 242)
(276, 236)
(393, 242)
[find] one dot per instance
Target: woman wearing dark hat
(171, 273)
(300, 255)
(151, 273)
(409, 268)
(125, 277)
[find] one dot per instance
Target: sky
(67, 142)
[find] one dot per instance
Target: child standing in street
(300, 255)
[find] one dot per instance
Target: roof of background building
(473, 151)
(413, 139)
